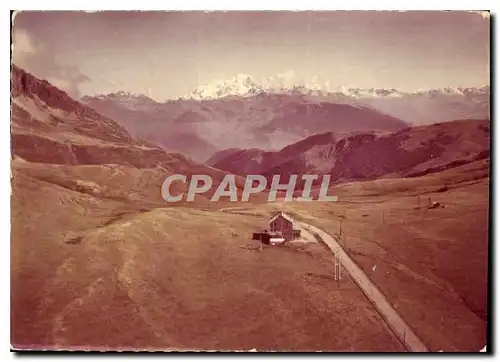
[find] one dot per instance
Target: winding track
(397, 324)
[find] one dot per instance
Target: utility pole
(340, 266)
(336, 265)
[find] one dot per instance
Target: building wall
(283, 225)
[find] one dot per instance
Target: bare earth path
(391, 316)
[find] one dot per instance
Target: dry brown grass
(98, 272)
(431, 264)
(115, 271)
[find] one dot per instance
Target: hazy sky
(167, 54)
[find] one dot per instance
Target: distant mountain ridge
(409, 152)
(268, 121)
(242, 113)
(243, 85)
(269, 114)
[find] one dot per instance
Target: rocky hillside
(49, 127)
(410, 152)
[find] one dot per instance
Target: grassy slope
(431, 264)
(96, 272)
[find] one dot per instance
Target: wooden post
(340, 267)
(340, 226)
(336, 265)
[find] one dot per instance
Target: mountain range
(241, 113)
(414, 151)
(269, 121)
(93, 240)
(300, 135)
(244, 85)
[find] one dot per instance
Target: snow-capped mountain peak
(241, 85)
(244, 85)
(133, 101)
(370, 92)
(122, 95)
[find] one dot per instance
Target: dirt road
(390, 315)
